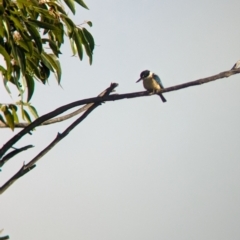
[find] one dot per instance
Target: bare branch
(129, 95)
(112, 97)
(28, 167)
(13, 153)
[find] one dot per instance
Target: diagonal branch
(28, 167)
(112, 97)
(13, 153)
(82, 109)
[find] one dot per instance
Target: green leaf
(33, 111)
(69, 23)
(54, 63)
(1, 27)
(1, 9)
(9, 118)
(26, 116)
(70, 4)
(28, 3)
(7, 27)
(16, 20)
(7, 60)
(33, 67)
(78, 42)
(80, 2)
(14, 113)
(52, 45)
(44, 12)
(59, 33)
(73, 46)
(44, 73)
(16, 72)
(5, 82)
(30, 86)
(43, 24)
(57, 7)
(57, 66)
(23, 44)
(46, 61)
(35, 35)
(89, 23)
(21, 59)
(86, 45)
(89, 38)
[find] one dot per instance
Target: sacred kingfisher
(152, 83)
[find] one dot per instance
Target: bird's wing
(157, 78)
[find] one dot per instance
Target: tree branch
(28, 167)
(50, 121)
(112, 97)
(13, 153)
(174, 88)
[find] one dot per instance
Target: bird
(236, 65)
(151, 82)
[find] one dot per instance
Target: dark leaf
(21, 59)
(56, 64)
(30, 86)
(46, 61)
(52, 45)
(7, 60)
(5, 82)
(9, 118)
(89, 38)
(80, 2)
(35, 35)
(14, 113)
(43, 25)
(89, 23)
(26, 116)
(78, 41)
(86, 45)
(33, 111)
(70, 4)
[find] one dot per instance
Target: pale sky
(138, 169)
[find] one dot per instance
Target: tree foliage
(31, 35)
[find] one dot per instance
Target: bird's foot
(151, 92)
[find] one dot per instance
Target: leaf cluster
(31, 35)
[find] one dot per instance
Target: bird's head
(144, 74)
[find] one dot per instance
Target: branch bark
(112, 97)
(32, 164)
(137, 94)
(50, 121)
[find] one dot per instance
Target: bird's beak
(138, 80)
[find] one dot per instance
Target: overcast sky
(138, 168)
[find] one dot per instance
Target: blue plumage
(158, 80)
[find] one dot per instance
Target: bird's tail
(162, 97)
